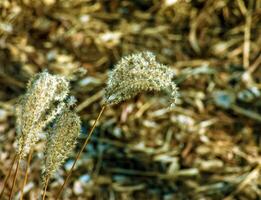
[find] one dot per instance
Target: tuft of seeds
(61, 141)
(43, 101)
(138, 73)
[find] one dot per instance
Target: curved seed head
(138, 73)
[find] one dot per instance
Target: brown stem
(26, 173)
(15, 176)
(45, 187)
(8, 175)
(79, 153)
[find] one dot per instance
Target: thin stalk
(45, 187)
(26, 173)
(15, 176)
(8, 175)
(79, 153)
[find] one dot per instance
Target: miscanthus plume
(61, 140)
(43, 101)
(138, 73)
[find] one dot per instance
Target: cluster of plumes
(138, 73)
(47, 103)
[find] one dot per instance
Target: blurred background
(207, 147)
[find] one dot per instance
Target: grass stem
(26, 173)
(7, 176)
(15, 176)
(45, 187)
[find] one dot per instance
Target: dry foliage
(207, 147)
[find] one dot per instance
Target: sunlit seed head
(139, 73)
(42, 102)
(61, 141)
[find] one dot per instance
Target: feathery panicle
(43, 101)
(138, 73)
(61, 141)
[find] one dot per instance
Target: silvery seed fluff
(138, 73)
(61, 141)
(40, 105)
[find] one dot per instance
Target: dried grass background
(208, 147)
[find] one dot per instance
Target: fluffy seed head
(43, 101)
(61, 141)
(138, 73)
